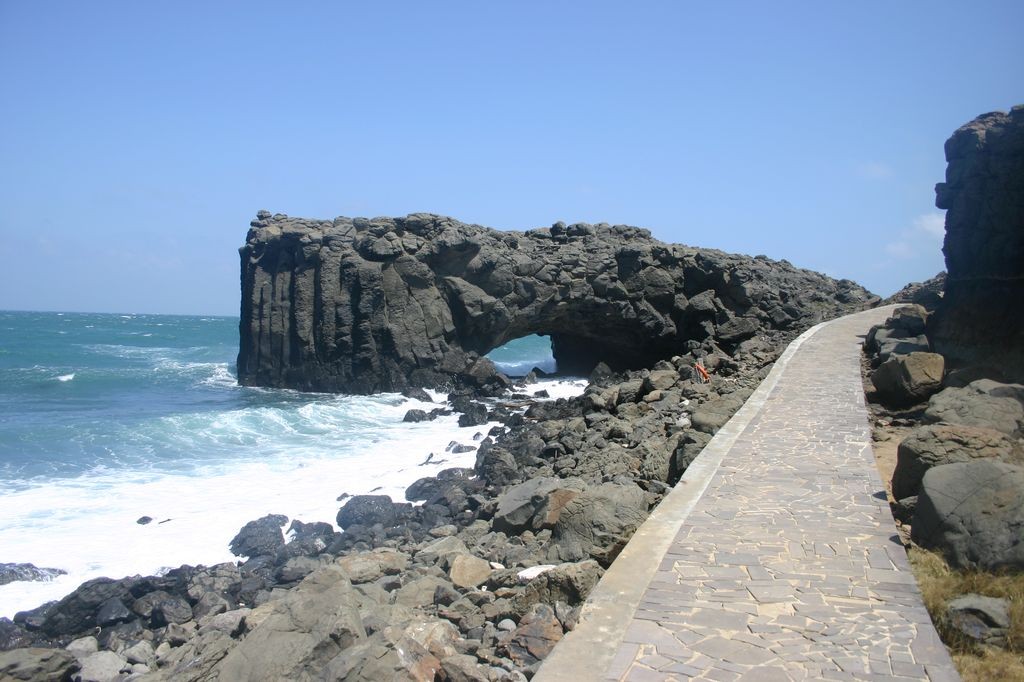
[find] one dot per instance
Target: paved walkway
(775, 557)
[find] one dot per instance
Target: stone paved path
(786, 566)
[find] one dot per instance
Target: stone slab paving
(780, 559)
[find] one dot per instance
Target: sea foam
(301, 461)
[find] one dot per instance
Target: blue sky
(137, 140)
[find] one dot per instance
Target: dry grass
(940, 584)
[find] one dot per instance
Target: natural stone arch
(362, 305)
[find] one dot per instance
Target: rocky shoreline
(477, 580)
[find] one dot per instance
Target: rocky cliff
(981, 318)
(365, 305)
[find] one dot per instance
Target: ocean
(106, 418)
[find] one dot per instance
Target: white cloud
(933, 224)
(925, 230)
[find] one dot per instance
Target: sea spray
(157, 426)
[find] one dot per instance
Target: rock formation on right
(981, 318)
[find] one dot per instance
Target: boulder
(38, 665)
(10, 573)
(14, 636)
(299, 633)
(77, 612)
(467, 571)
(985, 620)
(474, 414)
(102, 666)
(415, 415)
(364, 567)
(517, 506)
(598, 523)
(387, 655)
(260, 537)
(908, 379)
(367, 510)
(930, 446)
(974, 513)
(570, 583)
(537, 634)
(713, 415)
(112, 612)
(911, 319)
(464, 668)
(441, 548)
(893, 345)
(982, 403)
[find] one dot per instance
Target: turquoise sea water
(105, 418)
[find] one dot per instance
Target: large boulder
(368, 510)
(260, 537)
(364, 567)
(982, 403)
(713, 415)
(908, 379)
(77, 612)
(931, 446)
(974, 513)
(38, 665)
(518, 505)
(978, 321)
(598, 523)
(298, 634)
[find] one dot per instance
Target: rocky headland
(480, 571)
(365, 305)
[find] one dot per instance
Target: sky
(137, 139)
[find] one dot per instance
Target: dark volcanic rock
(10, 573)
(367, 510)
(908, 379)
(927, 294)
(974, 513)
(361, 305)
(260, 537)
(77, 612)
(931, 446)
(978, 321)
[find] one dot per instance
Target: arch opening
(519, 356)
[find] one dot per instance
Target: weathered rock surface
(974, 513)
(984, 619)
(360, 305)
(300, 633)
(37, 665)
(10, 573)
(931, 446)
(982, 403)
(598, 523)
(259, 537)
(978, 321)
(908, 379)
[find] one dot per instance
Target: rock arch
(365, 305)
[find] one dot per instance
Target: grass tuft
(940, 584)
